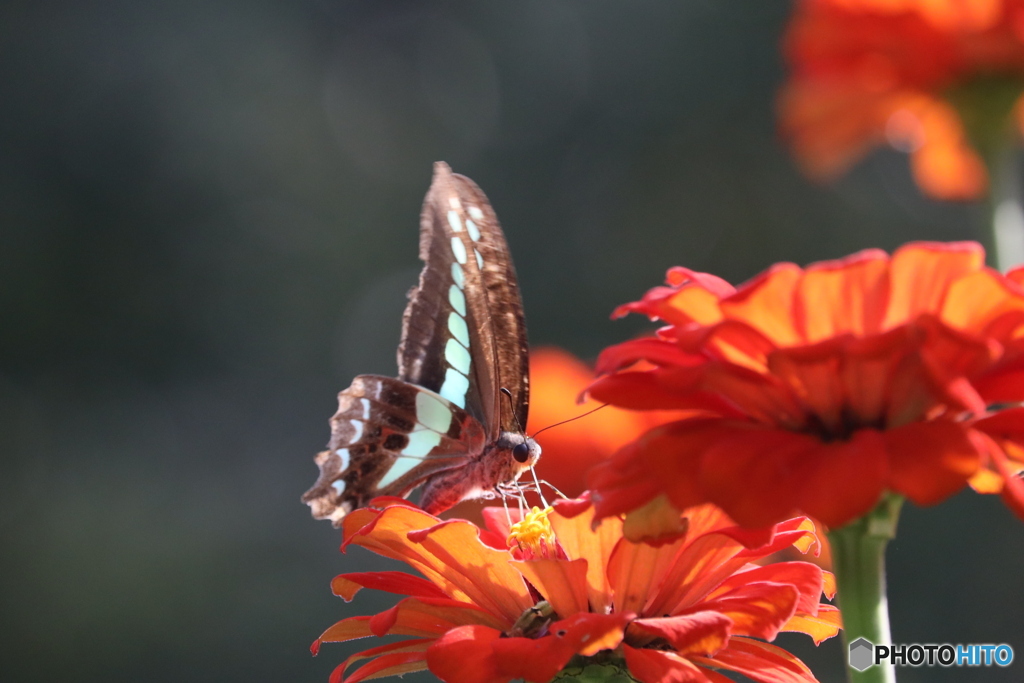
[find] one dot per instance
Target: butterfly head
(520, 451)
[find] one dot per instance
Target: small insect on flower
(557, 590)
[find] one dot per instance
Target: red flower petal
(659, 666)
(760, 662)
(345, 586)
(418, 646)
(463, 655)
(807, 578)
(928, 462)
(385, 665)
(428, 617)
(699, 633)
(756, 609)
(860, 465)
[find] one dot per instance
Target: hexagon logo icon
(862, 654)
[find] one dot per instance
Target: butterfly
(451, 422)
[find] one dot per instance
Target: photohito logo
(864, 654)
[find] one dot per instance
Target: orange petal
(821, 627)
(345, 630)
(702, 565)
(636, 569)
(921, 274)
(766, 304)
(949, 169)
(482, 573)
(563, 583)
(595, 545)
(845, 296)
(975, 300)
(656, 522)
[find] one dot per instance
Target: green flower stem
(1006, 215)
(986, 107)
(858, 558)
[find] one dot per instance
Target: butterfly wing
(387, 437)
(463, 339)
(463, 332)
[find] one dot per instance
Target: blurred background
(208, 223)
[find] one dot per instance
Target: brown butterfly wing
(387, 437)
(464, 249)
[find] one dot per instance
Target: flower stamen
(533, 535)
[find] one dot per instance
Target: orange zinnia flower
(557, 380)
(572, 589)
(829, 385)
(867, 71)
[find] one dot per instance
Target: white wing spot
(457, 275)
(479, 259)
(366, 407)
(457, 326)
(454, 202)
(453, 220)
(459, 249)
(421, 442)
(339, 486)
(357, 431)
(457, 299)
(455, 387)
(344, 455)
(457, 356)
(474, 232)
(475, 212)
(432, 413)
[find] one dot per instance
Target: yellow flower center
(534, 534)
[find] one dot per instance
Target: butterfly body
(443, 423)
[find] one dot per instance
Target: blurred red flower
(571, 589)
(828, 385)
(904, 71)
(557, 379)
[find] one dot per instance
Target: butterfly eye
(521, 452)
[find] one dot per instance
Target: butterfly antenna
(512, 408)
(571, 419)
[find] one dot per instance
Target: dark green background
(208, 217)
